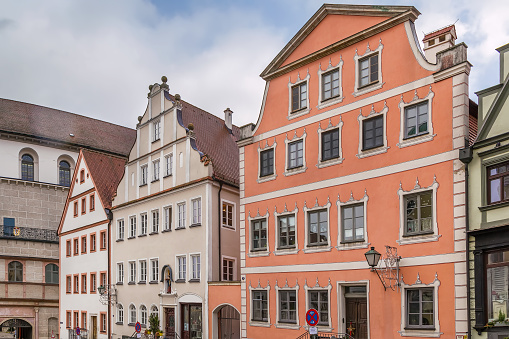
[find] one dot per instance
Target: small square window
(299, 96)
(498, 183)
(330, 85)
(416, 120)
(267, 162)
(286, 231)
(330, 144)
(295, 154)
(318, 225)
(420, 308)
(419, 213)
(372, 133)
(368, 68)
(259, 234)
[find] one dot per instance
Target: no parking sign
(312, 317)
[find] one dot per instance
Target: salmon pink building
(356, 147)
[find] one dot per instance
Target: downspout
(109, 214)
(219, 225)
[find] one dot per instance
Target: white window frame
(322, 103)
(168, 160)
(272, 176)
(155, 225)
(320, 131)
(154, 274)
(132, 271)
(317, 248)
(120, 229)
(286, 287)
(196, 215)
(181, 274)
(167, 221)
(295, 138)
(132, 226)
(302, 111)
(360, 90)
(143, 317)
(195, 272)
(143, 174)
(259, 288)
(277, 215)
(233, 227)
(234, 273)
(156, 169)
(181, 217)
(143, 225)
(120, 272)
(405, 142)
(372, 114)
(156, 130)
(252, 252)
(357, 244)
(132, 307)
(418, 238)
(315, 288)
(142, 263)
(120, 313)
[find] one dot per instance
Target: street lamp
(372, 257)
(389, 274)
(101, 289)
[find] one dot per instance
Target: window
(267, 162)
(228, 269)
(120, 273)
(102, 278)
(92, 202)
(83, 244)
(155, 167)
(68, 320)
(260, 307)
(181, 266)
(103, 240)
(167, 218)
(372, 132)
(288, 306)
(330, 144)
(419, 216)
(286, 231)
(132, 227)
(154, 270)
(143, 315)
(82, 176)
(416, 119)
(497, 286)
(120, 314)
(143, 224)
(68, 250)
(102, 327)
(76, 246)
(196, 203)
(51, 274)
(83, 319)
(143, 175)
(75, 208)
(120, 229)
(76, 284)
(83, 205)
(259, 234)
(132, 314)
(319, 300)
(299, 96)
(155, 221)
(318, 227)
(498, 183)
(64, 173)
(368, 68)
(92, 242)
(195, 267)
(295, 154)
(93, 282)
(352, 223)
(132, 272)
(68, 284)
(330, 84)
(228, 215)
(76, 319)
(143, 270)
(157, 130)
(420, 309)
(27, 167)
(169, 164)
(84, 283)
(154, 311)
(182, 215)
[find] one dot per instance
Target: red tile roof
(439, 32)
(55, 125)
(106, 171)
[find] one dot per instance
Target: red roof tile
(55, 125)
(439, 32)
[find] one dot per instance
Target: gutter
(219, 224)
(109, 214)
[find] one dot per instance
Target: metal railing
(325, 335)
(28, 233)
(73, 335)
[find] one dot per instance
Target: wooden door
(357, 317)
(169, 324)
(94, 327)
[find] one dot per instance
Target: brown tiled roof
(55, 125)
(438, 32)
(214, 140)
(106, 171)
(472, 122)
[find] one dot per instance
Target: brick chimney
(437, 41)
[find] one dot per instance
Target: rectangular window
(102, 327)
(419, 213)
(497, 286)
(143, 270)
(195, 269)
(93, 282)
(330, 144)
(84, 283)
(330, 84)
(103, 278)
(196, 203)
(143, 174)
(420, 308)
(76, 319)
(259, 234)
(68, 320)
(299, 96)
(155, 221)
(120, 273)
(318, 227)
(154, 270)
(76, 246)
(372, 133)
(288, 307)
(368, 70)
(82, 176)
(68, 284)
(182, 215)
(319, 300)
(295, 154)
(132, 227)
(167, 218)
(416, 120)
(76, 283)
(181, 265)
(498, 183)
(83, 244)
(286, 231)
(157, 130)
(228, 269)
(228, 215)
(92, 202)
(260, 306)
(102, 245)
(353, 223)
(143, 223)
(132, 272)
(169, 164)
(155, 167)
(68, 250)
(92, 242)
(83, 319)
(75, 208)
(267, 162)
(83, 205)
(120, 229)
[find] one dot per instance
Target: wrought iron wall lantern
(107, 294)
(388, 272)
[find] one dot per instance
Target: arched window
(27, 167)
(153, 311)
(64, 173)
(120, 313)
(143, 315)
(15, 271)
(51, 274)
(132, 314)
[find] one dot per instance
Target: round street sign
(312, 317)
(78, 331)
(137, 327)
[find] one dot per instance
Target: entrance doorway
(228, 323)
(169, 322)
(356, 311)
(18, 328)
(93, 327)
(191, 321)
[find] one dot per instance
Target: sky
(98, 57)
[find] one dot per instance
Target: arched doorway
(19, 328)
(228, 323)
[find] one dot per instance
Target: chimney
(228, 118)
(438, 41)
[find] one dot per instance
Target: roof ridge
(207, 112)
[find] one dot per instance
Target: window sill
(259, 323)
(368, 88)
(266, 178)
(372, 151)
(167, 175)
(153, 282)
(195, 225)
(285, 251)
(418, 239)
(156, 140)
(179, 281)
(295, 170)
(145, 184)
(329, 162)
(152, 233)
(142, 235)
(493, 206)
(254, 254)
(288, 326)
(180, 228)
(194, 280)
(119, 323)
(120, 283)
(131, 238)
(317, 248)
(131, 283)
(299, 113)
(118, 240)
(228, 227)
(329, 102)
(142, 282)
(155, 180)
(420, 333)
(164, 231)
(416, 140)
(352, 246)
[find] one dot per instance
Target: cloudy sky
(97, 57)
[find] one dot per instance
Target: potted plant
(153, 321)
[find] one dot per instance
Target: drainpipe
(109, 215)
(219, 224)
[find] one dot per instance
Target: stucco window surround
(267, 291)
(302, 111)
(350, 245)
(277, 215)
(154, 270)
(255, 252)
(181, 268)
(426, 333)
(31, 152)
(325, 247)
(341, 302)
(286, 287)
(317, 287)
(497, 159)
(402, 194)
(303, 167)
(322, 102)
(361, 119)
(405, 141)
(320, 131)
(226, 205)
(360, 90)
(263, 149)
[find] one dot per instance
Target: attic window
(82, 176)
(441, 38)
(431, 42)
